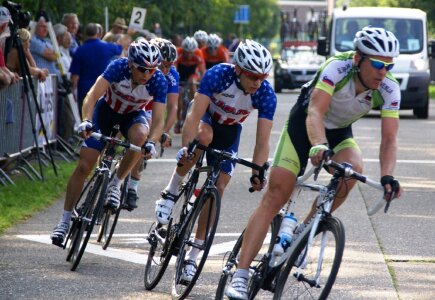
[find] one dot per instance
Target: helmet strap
(358, 70)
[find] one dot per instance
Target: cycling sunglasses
(145, 70)
(254, 76)
(379, 64)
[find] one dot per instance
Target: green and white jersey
(335, 77)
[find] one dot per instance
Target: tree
(175, 16)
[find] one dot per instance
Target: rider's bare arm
(158, 122)
(388, 148)
(95, 93)
(197, 110)
(262, 147)
(317, 109)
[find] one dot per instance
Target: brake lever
(387, 206)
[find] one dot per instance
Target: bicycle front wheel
(88, 217)
(205, 211)
(319, 264)
(257, 266)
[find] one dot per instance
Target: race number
(137, 18)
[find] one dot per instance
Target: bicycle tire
(156, 265)
(180, 289)
(232, 261)
(86, 196)
(167, 250)
(110, 219)
(91, 216)
(291, 287)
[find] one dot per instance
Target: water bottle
(284, 238)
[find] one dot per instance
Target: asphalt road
(388, 256)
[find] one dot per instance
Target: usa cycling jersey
(173, 79)
(121, 96)
(229, 104)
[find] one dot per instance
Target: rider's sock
(194, 252)
(241, 273)
(174, 183)
(116, 181)
(133, 183)
(66, 216)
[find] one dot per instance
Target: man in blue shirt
(90, 60)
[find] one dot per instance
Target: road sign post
(241, 17)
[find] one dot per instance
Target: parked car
(296, 66)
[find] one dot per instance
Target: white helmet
(200, 36)
(376, 41)
(213, 41)
(253, 57)
(189, 44)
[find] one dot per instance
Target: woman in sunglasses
(119, 96)
(346, 87)
(226, 96)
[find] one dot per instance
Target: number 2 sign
(137, 18)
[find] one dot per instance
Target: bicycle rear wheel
(159, 255)
(88, 217)
(233, 260)
(319, 264)
(110, 218)
(207, 208)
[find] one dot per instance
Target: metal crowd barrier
(16, 130)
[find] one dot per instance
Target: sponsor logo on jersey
(228, 95)
(386, 87)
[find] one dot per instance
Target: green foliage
(175, 17)
(27, 197)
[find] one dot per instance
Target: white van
(409, 25)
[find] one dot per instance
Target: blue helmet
(143, 54)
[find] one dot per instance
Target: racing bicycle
(308, 269)
(176, 238)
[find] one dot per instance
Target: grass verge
(19, 202)
(432, 91)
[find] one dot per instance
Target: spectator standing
(71, 21)
(64, 40)
(42, 48)
(13, 61)
(119, 26)
(6, 76)
(90, 60)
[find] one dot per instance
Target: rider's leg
(137, 135)
(87, 160)
(278, 191)
(205, 136)
(204, 217)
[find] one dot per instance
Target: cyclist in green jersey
(345, 88)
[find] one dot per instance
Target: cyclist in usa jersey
(346, 87)
(119, 96)
(168, 55)
(226, 97)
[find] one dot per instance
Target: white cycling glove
(86, 125)
(150, 147)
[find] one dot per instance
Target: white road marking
(132, 256)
